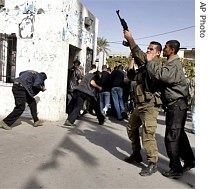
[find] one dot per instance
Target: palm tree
(102, 45)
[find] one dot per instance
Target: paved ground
(87, 156)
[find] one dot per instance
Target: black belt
(173, 101)
(177, 99)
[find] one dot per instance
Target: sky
(148, 20)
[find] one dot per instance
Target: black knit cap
(44, 75)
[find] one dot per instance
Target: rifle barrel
(118, 13)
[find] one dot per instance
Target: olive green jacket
(145, 91)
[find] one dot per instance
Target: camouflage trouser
(147, 117)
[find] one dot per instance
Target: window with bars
(8, 44)
(89, 59)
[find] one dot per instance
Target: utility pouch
(158, 101)
(148, 96)
(138, 94)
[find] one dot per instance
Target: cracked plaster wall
(44, 30)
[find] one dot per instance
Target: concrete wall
(44, 30)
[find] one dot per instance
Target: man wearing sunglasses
(146, 107)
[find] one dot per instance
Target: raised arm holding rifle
(146, 110)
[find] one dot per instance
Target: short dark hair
(159, 46)
(93, 66)
(174, 44)
(76, 63)
(44, 75)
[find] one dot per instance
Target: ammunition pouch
(158, 101)
(148, 96)
(143, 90)
(140, 95)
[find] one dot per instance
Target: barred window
(8, 45)
(89, 59)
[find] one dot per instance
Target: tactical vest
(144, 90)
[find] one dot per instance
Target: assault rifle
(125, 27)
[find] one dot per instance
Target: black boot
(188, 165)
(134, 157)
(151, 168)
(102, 120)
(172, 174)
(124, 115)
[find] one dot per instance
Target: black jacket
(85, 86)
(105, 81)
(117, 78)
(32, 81)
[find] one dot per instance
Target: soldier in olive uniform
(147, 107)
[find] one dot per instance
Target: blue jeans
(117, 96)
(104, 98)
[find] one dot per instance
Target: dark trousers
(176, 140)
(21, 96)
(76, 104)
